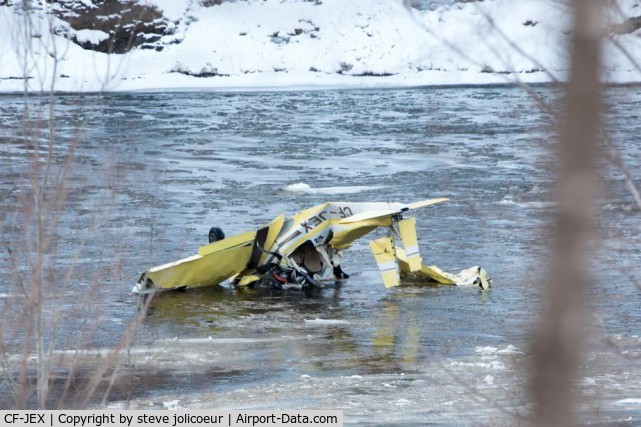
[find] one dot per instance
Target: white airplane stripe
(411, 251)
(387, 266)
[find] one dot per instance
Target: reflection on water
(163, 168)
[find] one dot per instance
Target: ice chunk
(172, 405)
(485, 350)
(629, 401)
(318, 321)
(302, 188)
(510, 349)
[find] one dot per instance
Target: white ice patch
(528, 205)
(486, 350)
(494, 365)
(302, 188)
(172, 405)
(11, 296)
(510, 349)
(210, 340)
(629, 401)
(402, 402)
(489, 350)
(318, 321)
(489, 380)
(116, 406)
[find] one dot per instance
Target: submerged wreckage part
(302, 251)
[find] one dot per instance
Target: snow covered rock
(112, 26)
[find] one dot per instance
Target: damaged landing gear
(277, 277)
(216, 234)
(339, 274)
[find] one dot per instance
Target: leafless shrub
(44, 365)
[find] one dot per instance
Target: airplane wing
(379, 213)
(217, 261)
(369, 215)
(428, 202)
(213, 264)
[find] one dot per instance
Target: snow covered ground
(298, 43)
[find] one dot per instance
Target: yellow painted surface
(227, 243)
(294, 244)
(373, 214)
(307, 213)
(274, 229)
(248, 280)
(346, 234)
(402, 261)
(436, 274)
(429, 202)
(407, 230)
(207, 270)
(385, 256)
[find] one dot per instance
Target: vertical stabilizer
(385, 254)
(407, 230)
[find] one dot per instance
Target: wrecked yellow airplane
(304, 251)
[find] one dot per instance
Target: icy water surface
(155, 170)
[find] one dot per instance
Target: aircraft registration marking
(313, 222)
(320, 217)
(344, 212)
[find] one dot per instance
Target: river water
(153, 171)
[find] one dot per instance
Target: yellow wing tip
(428, 202)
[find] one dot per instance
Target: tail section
(385, 254)
(394, 261)
(407, 231)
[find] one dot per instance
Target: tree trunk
(558, 344)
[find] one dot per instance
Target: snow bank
(303, 44)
